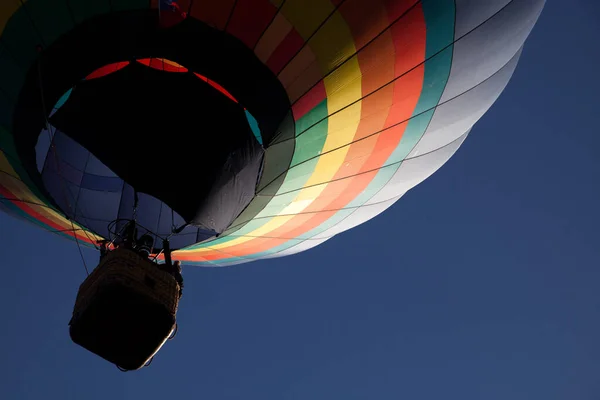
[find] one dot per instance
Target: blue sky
(481, 283)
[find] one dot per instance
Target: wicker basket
(130, 269)
(125, 310)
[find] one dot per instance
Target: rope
(158, 223)
(56, 159)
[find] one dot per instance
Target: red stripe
(222, 90)
(285, 51)
(409, 43)
(31, 212)
(249, 20)
(398, 7)
(107, 69)
(161, 65)
(216, 86)
(214, 13)
(309, 101)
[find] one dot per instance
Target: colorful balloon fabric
(240, 129)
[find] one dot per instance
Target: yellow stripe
(172, 63)
(306, 15)
(5, 167)
(21, 191)
(331, 45)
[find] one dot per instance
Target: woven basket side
(127, 268)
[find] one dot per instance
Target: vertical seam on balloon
(34, 191)
(159, 216)
(397, 147)
(120, 209)
(310, 37)
(41, 218)
(356, 208)
(268, 26)
(312, 213)
(7, 203)
(71, 13)
(441, 93)
(390, 155)
(407, 72)
(80, 184)
(429, 122)
(189, 9)
(77, 202)
(230, 15)
(359, 50)
(35, 28)
(376, 169)
(381, 87)
(20, 213)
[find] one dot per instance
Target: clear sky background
(481, 283)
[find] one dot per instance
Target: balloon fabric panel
(381, 93)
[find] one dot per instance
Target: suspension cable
(56, 160)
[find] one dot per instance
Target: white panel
(484, 51)
(471, 13)
(361, 215)
(452, 119)
(302, 246)
(229, 264)
(415, 170)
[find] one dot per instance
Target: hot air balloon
(228, 131)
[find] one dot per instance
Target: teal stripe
(311, 142)
(254, 126)
(61, 102)
(11, 208)
(439, 19)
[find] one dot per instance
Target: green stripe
(439, 18)
(311, 142)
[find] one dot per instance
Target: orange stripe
(408, 38)
(395, 8)
(31, 212)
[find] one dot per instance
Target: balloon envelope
(252, 128)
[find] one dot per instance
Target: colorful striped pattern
(364, 77)
(354, 92)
